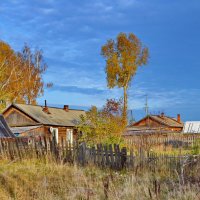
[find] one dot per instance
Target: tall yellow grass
(45, 180)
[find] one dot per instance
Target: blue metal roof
(5, 131)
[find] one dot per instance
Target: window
(54, 132)
(69, 135)
(29, 141)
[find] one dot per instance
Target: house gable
(148, 121)
(15, 117)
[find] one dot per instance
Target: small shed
(5, 131)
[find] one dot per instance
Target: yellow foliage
(103, 126)
(20, 74)
(123, 57)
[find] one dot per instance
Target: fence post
(117, 157)
(131, 159)
(112, 164)
(107, 161)
(81, 153)
(123, 157)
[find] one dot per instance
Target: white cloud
(47, 11)
(161, 99)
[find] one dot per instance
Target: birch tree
(9, 73)
(123, 57)
(21, 74)
(34, 67)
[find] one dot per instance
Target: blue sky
(71, 34)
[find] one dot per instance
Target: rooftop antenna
(146, 106)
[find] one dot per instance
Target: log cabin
(35, 120)
(155, 124)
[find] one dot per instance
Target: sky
(71, 34)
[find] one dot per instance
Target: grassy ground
(35, 179)
(169, 150)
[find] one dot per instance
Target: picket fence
(103, 156)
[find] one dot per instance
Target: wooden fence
(177, 140)
(103, 156)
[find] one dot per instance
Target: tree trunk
(125, 106)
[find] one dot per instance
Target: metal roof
(191, 127)
(4, 129)
(56, 116)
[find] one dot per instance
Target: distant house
(35, 120)
(5, 131)
(156, 124)
(191, 127)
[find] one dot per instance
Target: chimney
(162, 114)
(45, 108)
(66, 108)
(45, 103)
(179, 118)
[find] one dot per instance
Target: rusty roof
(165, 120)
(56, 116)
(168, 121)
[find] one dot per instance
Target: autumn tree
(103, 125)
(33, 66)
(9, 73)
(123, 57)
(21, 74)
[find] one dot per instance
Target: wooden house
(35, 120)
(156, 124)
(5, 131)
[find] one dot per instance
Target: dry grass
(42, 180)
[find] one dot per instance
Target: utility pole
(132, 120)
(146, 106)
(147, 110)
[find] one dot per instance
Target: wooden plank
(131, 159)
(107, 160)
(1, 148)
(117, 157)
(112, 164)
(102, 160)
(98, 155)
(93, 155)
(123, 157)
